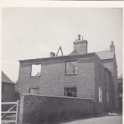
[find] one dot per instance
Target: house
(8, 89)
(78, 75)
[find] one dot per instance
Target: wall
(103, 79)
(43, 109)
(111, 65)
(53, 79)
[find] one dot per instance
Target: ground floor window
(70, 91)
(100, 94)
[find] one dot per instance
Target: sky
(29, 33)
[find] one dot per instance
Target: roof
(58, 58)
(5, 78)
(105, 54)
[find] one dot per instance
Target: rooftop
(60, 58)
(105, 54)
(5, 78)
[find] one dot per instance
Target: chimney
(80, 45)
(112, 46)
(52, 54)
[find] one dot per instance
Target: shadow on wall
(62, 118)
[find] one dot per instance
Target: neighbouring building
(8, 89)
(79, 74)
(120, 92)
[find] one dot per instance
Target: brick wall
(44, 109)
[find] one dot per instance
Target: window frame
(37, 73)
(74, 88)
(74, 70)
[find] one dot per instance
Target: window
(70, 91)
(33, 90)
(100, 94)
(71, 68)
(107, 97)
(36, 70)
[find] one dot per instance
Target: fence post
(17, 111)
(20, 112)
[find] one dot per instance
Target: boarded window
(100, 94)
(34, 90)
(36, 70)
(71, 68)
(70, 91)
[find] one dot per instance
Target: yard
(113, 119)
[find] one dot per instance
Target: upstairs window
(36, 70)
(71, 68)
(70, 91)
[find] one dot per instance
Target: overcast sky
(34, 32)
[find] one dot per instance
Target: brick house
(80, 74)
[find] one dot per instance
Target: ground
(99, 120)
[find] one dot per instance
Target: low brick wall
(45, 110)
